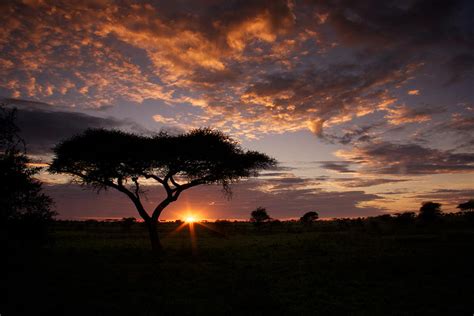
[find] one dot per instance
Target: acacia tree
(103, 159)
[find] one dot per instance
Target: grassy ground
(329, 269)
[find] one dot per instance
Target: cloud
(251, 67)
(42, 126)
(407, 159)
(338, 166)
(383, 25)
(450, 198)
(403, 114)
(462, 68)
(353, 135)
(459, 126)
(365, 182)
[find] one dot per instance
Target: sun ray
(218, 232)
(176, 230)
(191, 220)
(192, 235)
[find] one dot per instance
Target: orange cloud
(404, 115)
(251, 68)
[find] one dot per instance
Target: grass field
(332, 268)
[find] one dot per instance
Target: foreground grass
(291, 271)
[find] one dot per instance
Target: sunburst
(191, 220)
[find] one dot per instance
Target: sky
(367, 105)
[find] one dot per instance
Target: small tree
(104, 159)
(467, 206)
(430, 211)
(259, 216)
(309, 217)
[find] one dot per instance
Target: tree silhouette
(467, 206)
(259, 215)
(101, 158)
(309, 217)
(430, 211)
(24, 210)
(405, 217)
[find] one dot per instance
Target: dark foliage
(25, 212)
(309, 217)
(405, 217)
(430, 211)
(259, 216)
(467, 206)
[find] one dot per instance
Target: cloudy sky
(367, 105)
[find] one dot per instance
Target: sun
(190, 216)
(190, 219)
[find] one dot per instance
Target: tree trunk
(155, 240)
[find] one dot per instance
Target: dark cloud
(365, 182)
(460, 127)
(409, 159)
(42, 126)
(339, 166)
(287, 182)
(352, 136)
(449, 197)
(384, 24)
(462, 67)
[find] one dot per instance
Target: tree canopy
(430, 210)
(101, 158)
(259, 215)
(309, 217)
(467, 206)
(24, 210)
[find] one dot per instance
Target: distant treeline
(429, 211)
(378, 224)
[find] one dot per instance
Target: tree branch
(118, 186)
(135, 198)
(173, 181)
(137, 187)
(163, 182)
(174, 196)
(152, 176)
